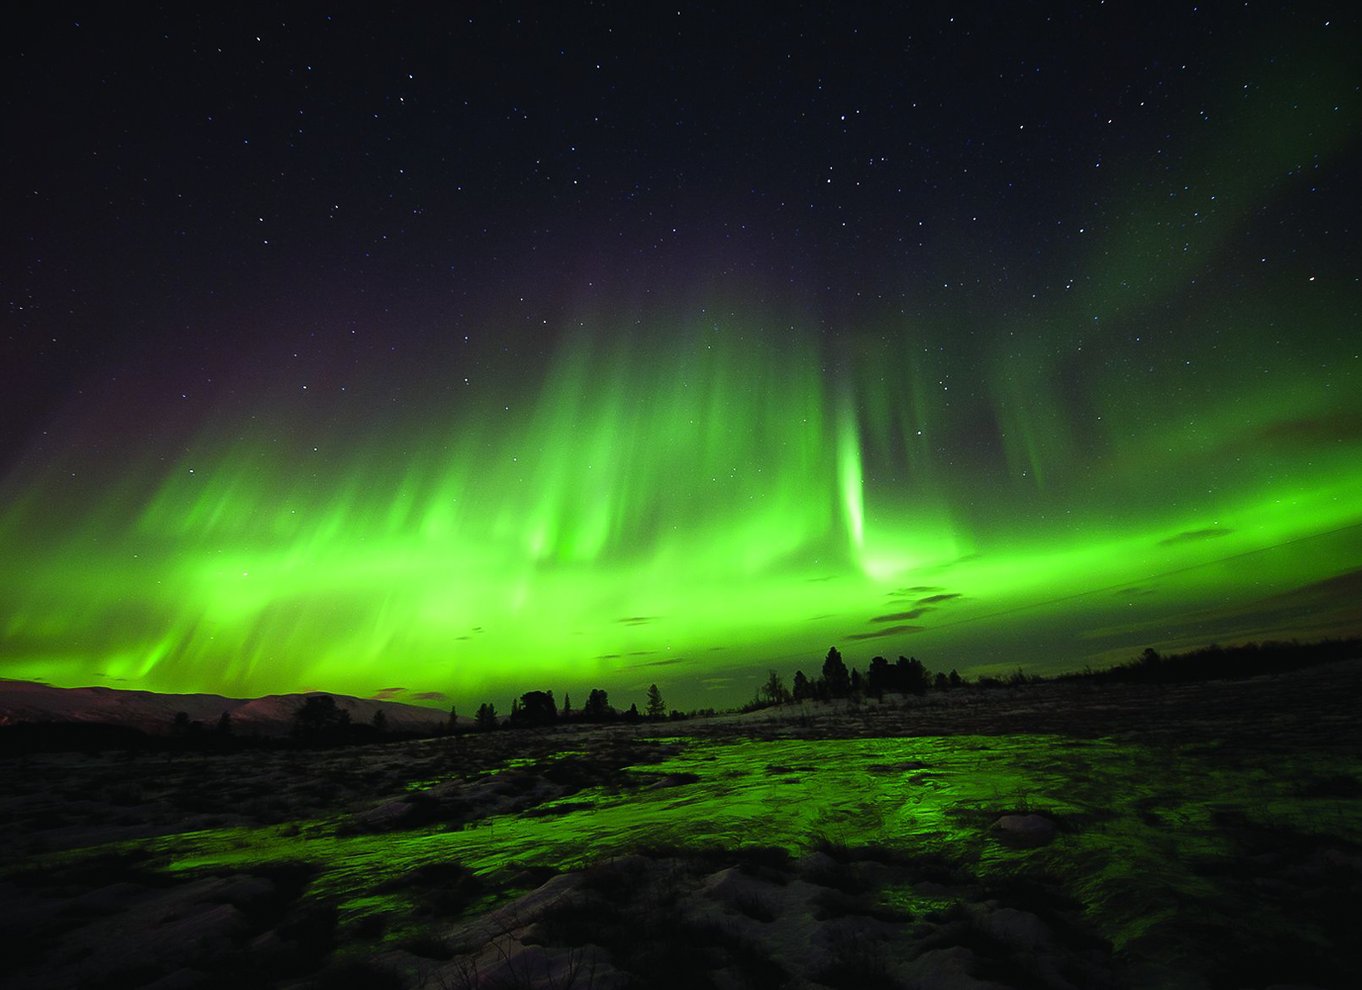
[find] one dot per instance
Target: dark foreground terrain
(1041, 836)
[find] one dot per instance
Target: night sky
(513, 347)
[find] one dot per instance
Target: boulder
(1024, 831)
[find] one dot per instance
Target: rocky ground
(1048, 836)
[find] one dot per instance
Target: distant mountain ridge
(148, 711)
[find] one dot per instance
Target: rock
(1019, 929)
(743, 893)
(111, 899)
(241, 891)
(513, 919)
(817, 864)
(1024, 831)
(388, 815)
(944, 969)
(267, 947)
(515, 965)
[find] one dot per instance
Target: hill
(272, 715)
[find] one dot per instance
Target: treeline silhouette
(537, 708)
(1214, 663)
(320, 722)
(909, 676)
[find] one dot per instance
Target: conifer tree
(657, 708)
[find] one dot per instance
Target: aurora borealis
(600, 348)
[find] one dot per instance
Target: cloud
(917, 589)
(608, 656)
(1193, 535)
(888, 631)
(658, 663)
(1343, 590)
(637, 620)
(900, 616)
(936, 599)
(407, 695)
(1329, 607)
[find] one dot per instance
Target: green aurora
(689, 513)
(1157, 441)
